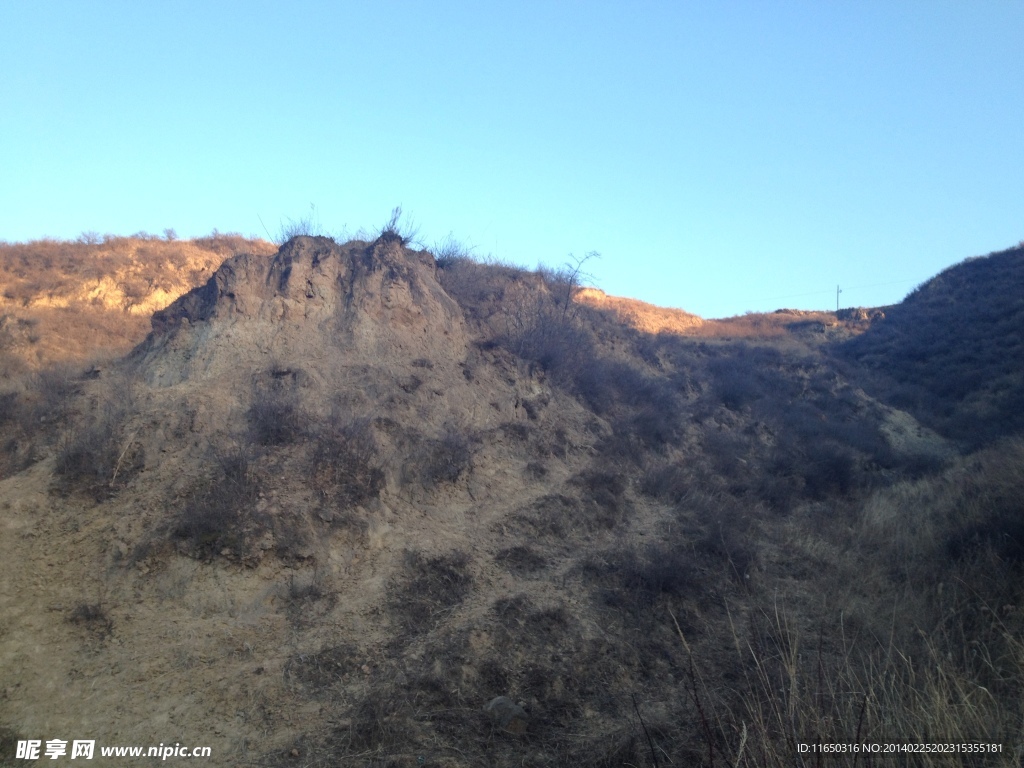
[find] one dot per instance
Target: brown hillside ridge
(640, 315)
(355, 504)
(649, 318)
(63, 301)
(71, 302)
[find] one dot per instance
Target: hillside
(71, 302)
(952, 352)
(344, 496)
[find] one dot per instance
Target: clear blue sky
(721, 156)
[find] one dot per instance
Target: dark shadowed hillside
(952, 353)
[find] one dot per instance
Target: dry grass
(218, 516)
(812, 691)
(443, 459)
(72, 301)
(346, 469)
(672, 549)
(644, 317)
(758, 325)
(972, 507)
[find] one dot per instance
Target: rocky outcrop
(313, 299)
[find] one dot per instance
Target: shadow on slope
(952, 353)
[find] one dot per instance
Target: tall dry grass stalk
(794, 695)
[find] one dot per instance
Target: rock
(508, 715)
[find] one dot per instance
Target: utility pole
(837, 298)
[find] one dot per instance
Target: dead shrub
(735, 382)
(55, 389)
(601, 506)
(604, 492)
(779, 488)
(450, 253)
(345, 468)
(19, 443)
(478, 288)
(553, 515)
(633, 579)
(95, 455)
(276, 417)
(292, 536)
(511, 611)
(603, 384)
(516, 430)
(670, 482)
(654, 427)
(396, 231)
(218, 516)
(324, 669)
(556, 344)
(831, 470)
(729, 539)
(441, 460)
(536, 470)
(433, 587)
(520, 560)
(378, 724)
(542, 321)
(92, 617)
(989, 507)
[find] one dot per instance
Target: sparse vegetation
(321, 670)
(521, 560)
(93, 618)
(433, 587)
(218, 516)
(276, 416)
(662, 549)
(346, 469)
(54, 389)
(958, 372)
(542, 322)
(637, 580)
(68, 302)
(397, 231)
(304, 226)
(309, 600)
(442, 459)
(97, 453)
(450, 254)
(8, 747)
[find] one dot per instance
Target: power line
(822, 293)
(878, 285)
